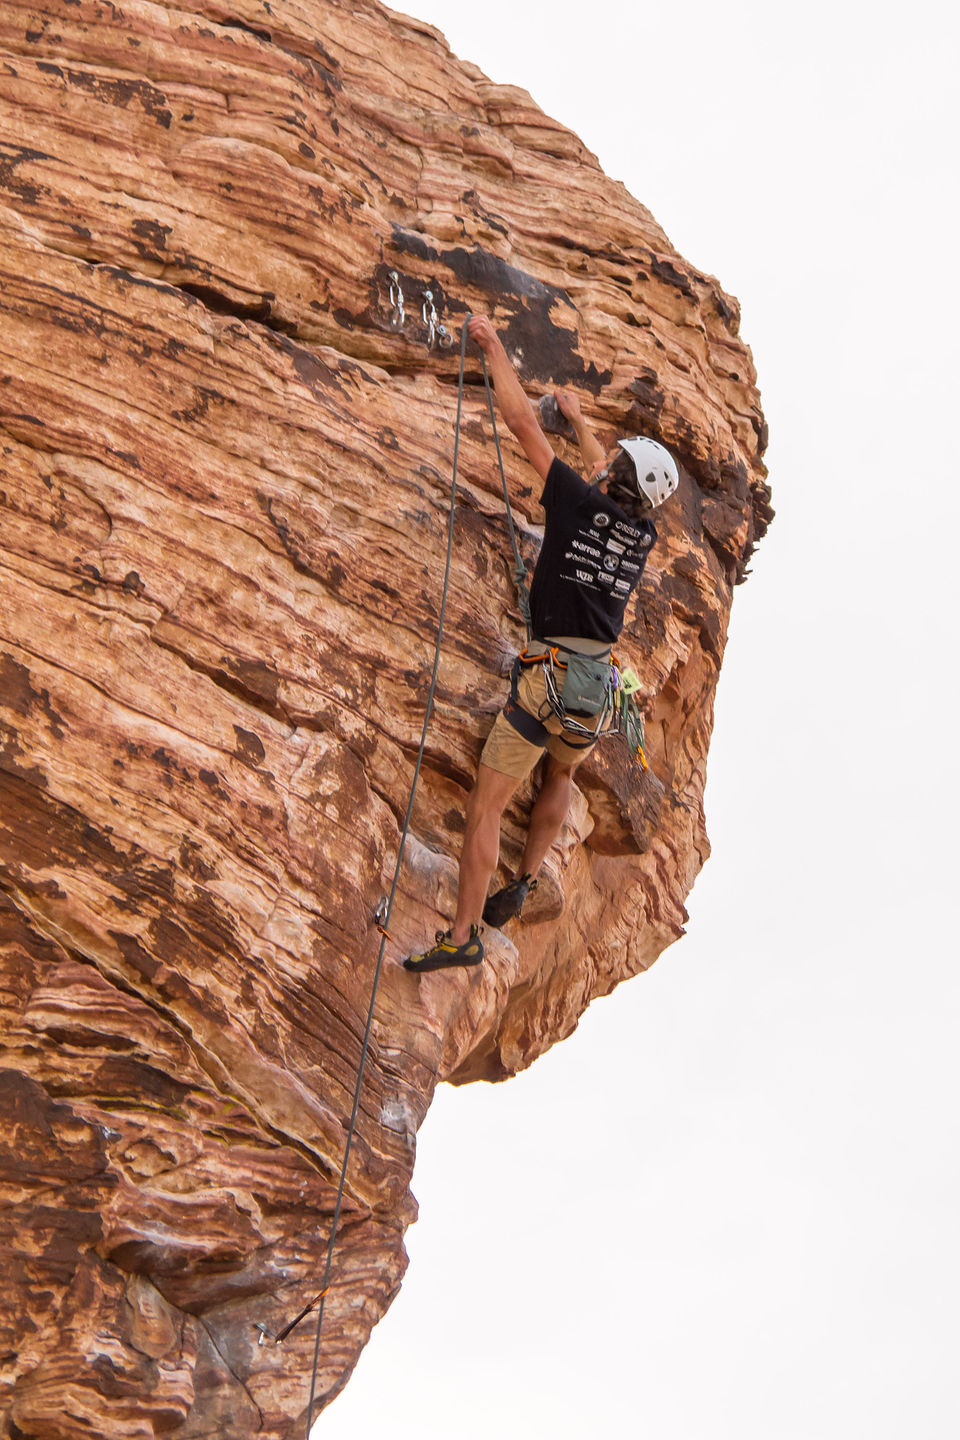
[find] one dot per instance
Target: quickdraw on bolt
(281, 1335)
(380, 920)
(396, 297)
(430, 317)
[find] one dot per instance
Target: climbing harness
(579, 687)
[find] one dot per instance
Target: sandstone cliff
(226, 458)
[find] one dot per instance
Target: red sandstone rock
(225, 472)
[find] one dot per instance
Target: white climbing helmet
(657, 474)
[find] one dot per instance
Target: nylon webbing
(393, 890)
(520, 570)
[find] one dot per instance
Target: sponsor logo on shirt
(627, 565)
(645, 539)
(585, 549)
(615, 546)
(610, 562)
(623, 585)
(605, 578)
(601, 519)
(586, 575)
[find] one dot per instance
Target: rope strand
(325, 1285)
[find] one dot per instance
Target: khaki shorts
(506, 749)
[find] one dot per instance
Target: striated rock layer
(226, 460)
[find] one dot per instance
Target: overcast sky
(726, 1208)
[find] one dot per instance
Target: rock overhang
(226, 463)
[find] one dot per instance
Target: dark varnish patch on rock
(259, 312)
(488, 272)
(33, 1145)
(193, 863)
(255, 677)
(152, 238)
(722, 519)
(49, 832)
(17, 693)
(647, 404)
(204, 398)
(249, 747)
(145, 882)
(258, 32)
(11, 157)
(681, 588)
(672, 275)
(543, 350)
(116, 92)
(315, 373)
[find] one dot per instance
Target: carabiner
(396, 297)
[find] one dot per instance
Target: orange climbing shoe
(445, 955)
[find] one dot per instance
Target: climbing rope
(383, 918)
(385, 907)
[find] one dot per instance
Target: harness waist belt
(569, 649)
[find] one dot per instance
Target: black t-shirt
(591, 559)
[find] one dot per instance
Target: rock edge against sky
(225, 475)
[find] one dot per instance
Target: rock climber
(597, 537)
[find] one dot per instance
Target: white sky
(726, 1209)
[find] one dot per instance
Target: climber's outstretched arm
(594, 455)
(516, 408)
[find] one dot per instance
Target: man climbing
(596, 541)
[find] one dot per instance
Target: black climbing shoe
(505, 903)
(444, 954)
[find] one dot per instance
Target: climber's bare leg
(547, 815)
(481, 846)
